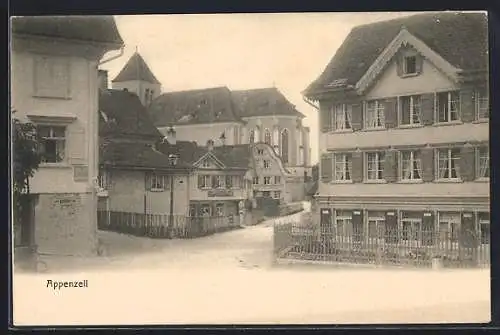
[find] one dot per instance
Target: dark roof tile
(263, 102)
(124, 115)
(136, 69)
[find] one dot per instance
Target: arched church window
(251, 137)
(284, 146)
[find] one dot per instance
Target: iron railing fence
(157, 225)
(300, 239)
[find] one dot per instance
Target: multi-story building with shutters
(54, 85)
(404, 130)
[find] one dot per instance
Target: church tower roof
(136, 69)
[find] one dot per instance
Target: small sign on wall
(390, 213)
(467, 215)
(80, 172)
(356, 212)
(427, 214)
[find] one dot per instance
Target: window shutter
(357, 167)
(147, 181)
(468, 233)
(427, 109)
(77, 146)
(419, 64)
(326, 120)
(391, 227)
(467, 105)
(357, 116)
(467, 163)
(399, 64)
(357, 224)
(428, 229)
(427, 156)
(326, 167)
(200, 181)
(390, 166)
(214, 181)
(390, 113)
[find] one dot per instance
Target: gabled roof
(136, 69)
(208, 105)
(263, 102)
(460, 38)
(100, 29)
(121, 114)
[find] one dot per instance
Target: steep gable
(136, 69)
(460, 38)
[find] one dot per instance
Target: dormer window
(410, 65)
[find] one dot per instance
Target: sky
(240, 51)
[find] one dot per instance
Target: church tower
(138, 78)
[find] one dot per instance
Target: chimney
(171, 136)
(210, 145)
(103, 79)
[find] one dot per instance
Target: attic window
(410, 65)
(203, 102)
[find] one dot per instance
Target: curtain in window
(484, 164)
(339, 117)
(443, 164)
(406, 166)
(455, 166)
(418, 166)
(349, 116)
(417, 113)
(348, 167)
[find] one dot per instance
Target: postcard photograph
(281, 168)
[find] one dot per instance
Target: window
(342, 115)
(374, 114)
(205, 163)
(342, 167)
(267, 180)
(483, 169)
(267, 136)
(343, 223)
(204, 181)
(267, 164)
(284, 146)
(376, 222)
(146, 96)
(266, 194)
(229, 181)
(237, 181)
(410, 110)
(411, 226)
(410, 65)
(448, 106)
(52, 77)
(218, 181)
(206, 210)
(255, 180)
(257, 134)
(277, 179)
(448, 226)
(482, 104)
(251, 137)
(448, 163)
(484, 226)
(276, 139)
(158, 183)
(260, 152)
(374, 165)
(104, 179)
(52, 143)
(277, 195)
(219, 209)
(411, 165)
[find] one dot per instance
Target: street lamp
(172, 159)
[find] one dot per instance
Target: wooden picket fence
(157, 225)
